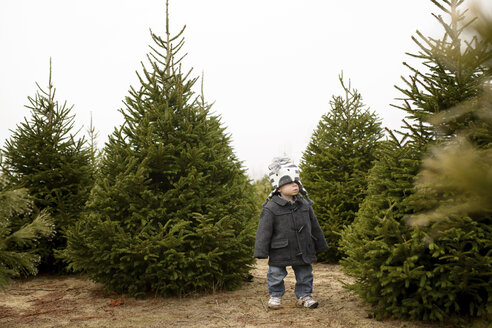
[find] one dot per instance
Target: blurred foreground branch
(460, 170)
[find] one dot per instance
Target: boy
(288, 234)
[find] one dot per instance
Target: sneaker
(307, 301)
(274, 302)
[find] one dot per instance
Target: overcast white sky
(271, 66)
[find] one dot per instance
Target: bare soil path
(74, 301)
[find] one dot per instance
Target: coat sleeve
(319, 237)
(264, 234)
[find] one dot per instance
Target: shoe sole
(274, 307)
(313, 306)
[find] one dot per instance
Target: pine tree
(263, 187)
(457, 172)
(336, 162)
(425, 272)
(377, 239)
(16, 256)
(172, 211)
(44, 156)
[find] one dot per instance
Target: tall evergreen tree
(424, 272)
(172, 210)
(44, 156)
(458, 173)
(336, 162)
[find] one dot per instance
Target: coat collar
(283, 202)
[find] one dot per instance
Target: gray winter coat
(289, 234)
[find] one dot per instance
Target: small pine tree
(336, 162)
(377, 239)
(172, 210)
(263, 187)
(16, 256)
(424, 272)
(43, 156)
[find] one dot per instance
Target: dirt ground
(74, 301)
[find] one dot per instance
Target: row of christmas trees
(167, 208)
(411, 216)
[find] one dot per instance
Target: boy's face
(289, 189)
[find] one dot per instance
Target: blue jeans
(304, 280)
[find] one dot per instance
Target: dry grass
(73, 301)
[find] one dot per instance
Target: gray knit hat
(282, 171)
